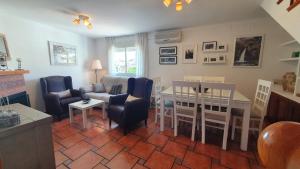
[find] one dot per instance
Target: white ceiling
(121, 17)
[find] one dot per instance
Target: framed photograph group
(168, 55)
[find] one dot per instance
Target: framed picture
(222, 48)
(215, 59)
(209, 46)
(172, 50)
(248, 51)
(189, 53)
(4, 52)
(62, 54)
(168, 60)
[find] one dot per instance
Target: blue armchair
(127, 113)
(58, 107)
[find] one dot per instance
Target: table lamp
(96, 65)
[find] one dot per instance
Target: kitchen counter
(278, 90)
(27, 145)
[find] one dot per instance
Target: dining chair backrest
(262, 96)
(185, 95)
(213, 79)
(157, 86)
(192, 78)
(216, 98)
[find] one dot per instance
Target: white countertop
(278, 90)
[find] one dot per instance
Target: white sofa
(108, 82)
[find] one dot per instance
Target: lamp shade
(96, 65)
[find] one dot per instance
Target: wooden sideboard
(283, 106)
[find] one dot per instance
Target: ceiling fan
(178, 4)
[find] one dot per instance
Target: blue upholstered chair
(127, 113)
(56, 106)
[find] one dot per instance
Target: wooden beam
(279, 1)
(293, 5)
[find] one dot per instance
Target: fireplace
(12, 87)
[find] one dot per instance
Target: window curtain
(142, 54)
(110, 48)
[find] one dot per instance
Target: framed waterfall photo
(62, 54)
(248, 51)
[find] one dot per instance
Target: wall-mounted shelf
(289, 60)
(288, 43)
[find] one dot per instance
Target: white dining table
(239, 101)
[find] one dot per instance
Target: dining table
(239, 101)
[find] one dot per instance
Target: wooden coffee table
(85, 108)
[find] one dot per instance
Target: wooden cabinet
(282, 109)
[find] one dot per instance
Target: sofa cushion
(115, 89)
(62, 94)
(99, 96)
(109, 81)
(99, 88)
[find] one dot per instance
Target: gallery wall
(244, 78)
(28, 40)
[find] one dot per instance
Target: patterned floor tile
(123, 160)
(159, 160)
(87, 161)
(142, 150)
(77, 150)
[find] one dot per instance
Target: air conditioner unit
(170, 36)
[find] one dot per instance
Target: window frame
(126, 62)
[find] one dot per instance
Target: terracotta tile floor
(101, 147)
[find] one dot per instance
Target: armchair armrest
(118, 99)
(52, 103)
(77, 93)
(136, 110)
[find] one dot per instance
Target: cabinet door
(272, 112)
(295, 113)
(284, 109)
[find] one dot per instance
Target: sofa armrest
(118, 99)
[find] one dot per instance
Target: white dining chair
(185, 96)
(259, 108)
(216, 99)
(213, 79)
(169, 108)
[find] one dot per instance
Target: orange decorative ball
(279, 146)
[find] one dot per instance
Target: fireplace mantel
(13, 72)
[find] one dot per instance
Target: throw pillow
(131, 98)
(62, 94)
(98, 88)
(115, 89)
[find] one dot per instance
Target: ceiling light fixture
(85, 20)
(178, 5)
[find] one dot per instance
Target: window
(124, 60)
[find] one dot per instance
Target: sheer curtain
(142, 54)
(110, 48)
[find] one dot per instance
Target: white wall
(289, 20)
(244, 78)
(29, 41)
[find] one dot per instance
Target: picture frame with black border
(168, 60)
(209, 46)
(170, 50)
(248, 51)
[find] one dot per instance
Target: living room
(106, 52)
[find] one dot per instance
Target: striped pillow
(115, 89)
